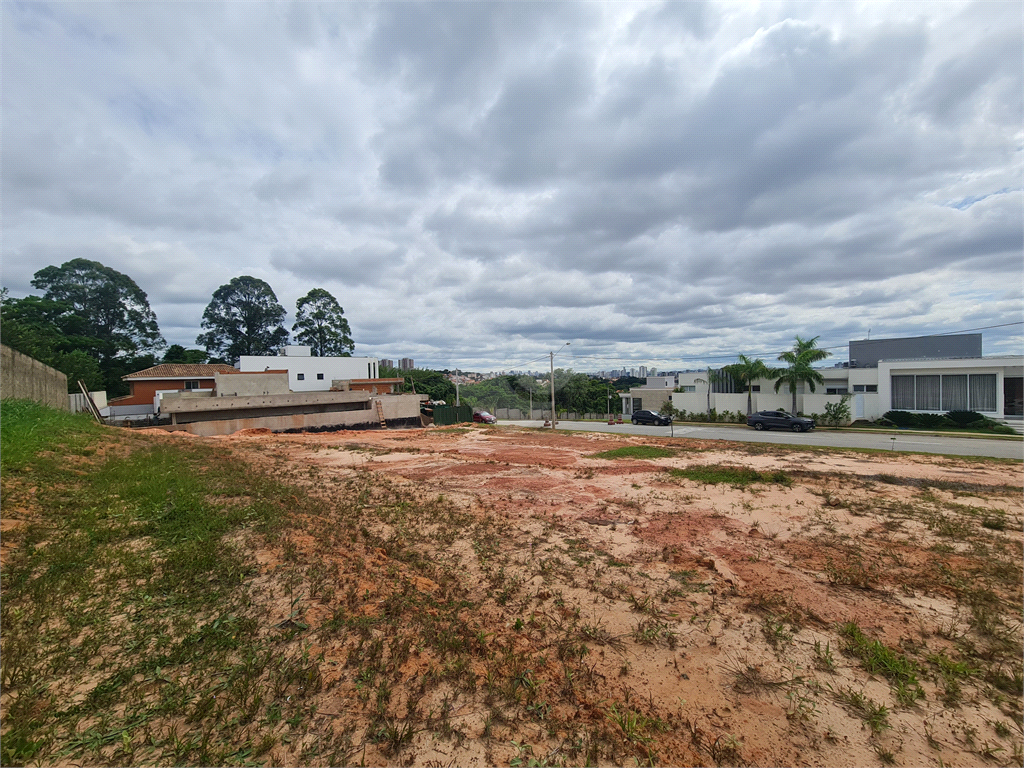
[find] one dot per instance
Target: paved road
(957, 446)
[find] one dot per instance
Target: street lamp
(553, 381)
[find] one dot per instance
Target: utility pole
(553, 381)
(457, 403)
(552, 390)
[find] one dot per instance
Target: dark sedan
(779, 420)
(483, 417)
(650, 417)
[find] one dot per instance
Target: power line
(730, 356)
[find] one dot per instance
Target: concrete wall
(317, 372)
(769, 401)
(691, 402)
(816, 403)
(26, 378)
(399, 411)
(247, 384)
(731, 402)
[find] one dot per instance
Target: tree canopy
(54, 334)
(747, 371)
(178, 354)
(109, 305)
(320, 322)
(804, 354)
(243, 318)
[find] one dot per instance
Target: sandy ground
(718, 607)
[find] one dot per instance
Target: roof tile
(178, 370)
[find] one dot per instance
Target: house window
(192, 385)
(301, 377)
(928, 393)
(865, 387)
(638, 404)
(755, 388)
(319, 377)
(954, 392)
(983, 391)
(836, 391)
(903, 393)
(689, 387)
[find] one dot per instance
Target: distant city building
(406, 364)
(385, 363)
(643, 371)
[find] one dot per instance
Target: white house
(310, 374)
(913, 379)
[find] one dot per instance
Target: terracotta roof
(181, 370)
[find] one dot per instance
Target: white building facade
(311, 374)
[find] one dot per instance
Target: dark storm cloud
(646, 180)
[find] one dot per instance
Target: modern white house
(310, 374)
(924, 374)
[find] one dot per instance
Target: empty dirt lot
(499, 595)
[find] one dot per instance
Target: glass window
(928, 393)
(319, 377)
(689, 388)
(954, 392)
(835, 391)
(301, 377)
(191, 385)
(983, 391)
(756, 388)
(858, 387)
(903, 393)
(638, 404)
(872, 388)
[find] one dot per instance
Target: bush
(966, 418)
(901, 418)
(933, 421)
(837, 414)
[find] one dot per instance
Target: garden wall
(26, 378)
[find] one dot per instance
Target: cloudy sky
(478, 183)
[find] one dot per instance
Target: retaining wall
(26, 378)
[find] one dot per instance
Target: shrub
(933, 421)
(965, 418)
(837, 414)
(901, 418)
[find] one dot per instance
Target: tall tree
(178, 354)
(747, 371)
(804, 354)
(111, 305)
(52, 333)
(244, 318)
(320, 322)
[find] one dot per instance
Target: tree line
(95, 324)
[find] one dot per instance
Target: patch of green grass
(128, 584)
(28, 429)
(635, 452)
(880, 659)
(712, 474)
(876, 716)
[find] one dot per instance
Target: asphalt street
(955, 446)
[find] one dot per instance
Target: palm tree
(747, 371)
(713, 378)
(805, 352)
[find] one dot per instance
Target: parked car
(483, 417)
(779, 420)
(650, 417)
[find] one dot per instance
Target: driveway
(951, 445)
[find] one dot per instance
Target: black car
(650, 417)
(779, 420)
